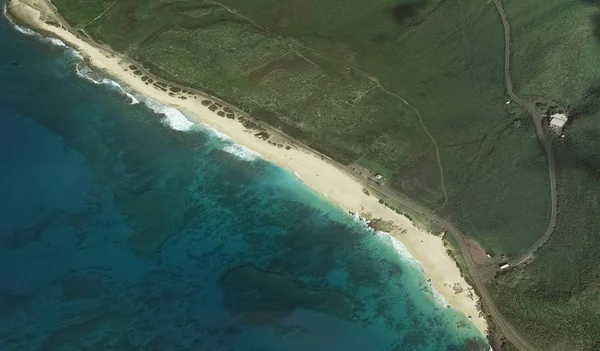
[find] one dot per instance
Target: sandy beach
(332, 183)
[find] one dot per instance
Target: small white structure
(557, 122)
(504, 266)
(378, 176)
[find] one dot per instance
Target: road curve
(501, 323)
(486, 299)
(542, 136)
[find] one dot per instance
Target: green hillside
(557, 50)
(414, 89)
(385, 83)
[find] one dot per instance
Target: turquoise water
(125, 229)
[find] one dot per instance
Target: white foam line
(55, 42)
(85, 72)
(177, 120)
(222, 136)
(364, 223)
(401, 250)
(22, 30)
(118, 87)
(32, 33)
(242, 152)
(233, 148)
(134, 101)
(25, 31)
(172, 117)
(439, 299)
(406, 257)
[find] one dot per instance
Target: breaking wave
(231, 147)
(172, 117)
(47, 40)
(216, 133)
(403, 254)
(118, 87)
(407, 258)
(88, 74)
(439, 299)
(56, 42)
(361, 221)
(20, 29)
(401, 250)
(177, 120)
(242, 152)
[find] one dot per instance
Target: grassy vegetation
(556, 50)
(82, 12)
(417, 218)
(560, 67)
(339, 76)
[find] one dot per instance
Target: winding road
(542, 136)
(503, 325)
(500, 322)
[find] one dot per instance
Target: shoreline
(329, 181)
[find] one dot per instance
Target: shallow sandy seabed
(332, 183)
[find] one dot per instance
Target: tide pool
(123, 226)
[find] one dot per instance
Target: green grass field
(360, 81)
(556, 49)
(367, 81)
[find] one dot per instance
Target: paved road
(542, 136)
(486, 299)
(501, 323)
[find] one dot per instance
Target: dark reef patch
(265, 295)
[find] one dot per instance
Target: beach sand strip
(333, 183)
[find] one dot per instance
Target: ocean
(124, 226)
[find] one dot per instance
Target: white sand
(334, 184)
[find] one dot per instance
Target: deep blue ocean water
(119, 232)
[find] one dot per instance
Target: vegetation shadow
(582, 151)
(402, 12)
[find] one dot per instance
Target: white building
(558, 121)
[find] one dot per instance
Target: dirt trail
(357, 70)
(488, 304)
